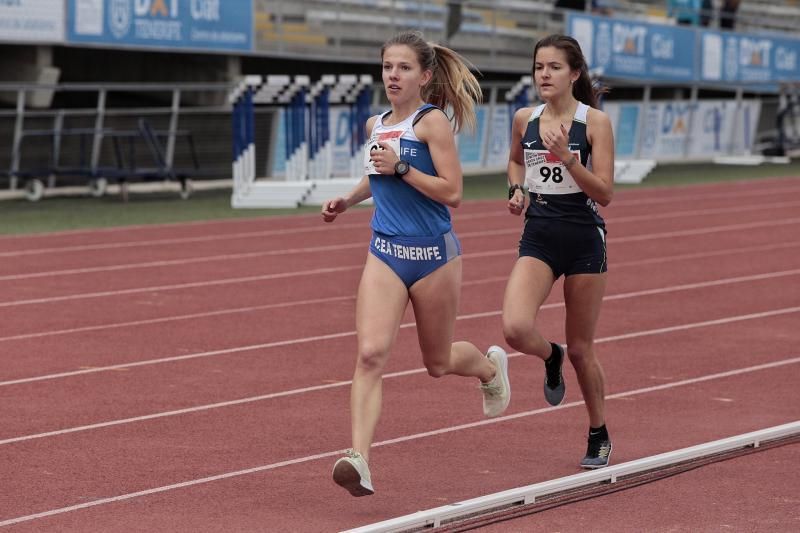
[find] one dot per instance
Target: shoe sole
(555, 397)
(504, 377)
(345, 475)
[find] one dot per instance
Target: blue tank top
(400, 209)
(553, 191)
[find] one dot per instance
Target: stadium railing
(110, 141)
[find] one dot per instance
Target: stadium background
(163, 376)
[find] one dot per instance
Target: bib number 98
(553, 173)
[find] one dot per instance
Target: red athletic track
(194, 377)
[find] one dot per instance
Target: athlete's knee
(437, 364)
(437, 368)
(580, 353)
(515, 333)
(372, 357)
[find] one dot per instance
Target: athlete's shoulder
(429, 114)
(371, 121)
(433, 124)
(524, 113)
(597, 120)
(597, 115)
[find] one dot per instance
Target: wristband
(514, 188)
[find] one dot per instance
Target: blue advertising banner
(194, 24)
(742, 58)
(32, 21)
(652, 52)
(632, 49)
(626, 130)
(470, 143)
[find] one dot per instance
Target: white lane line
(178, 286)
(347, 225)
(186, 261)
(343, 246)
(248, 279)
(615, 396)
(486, 314)
(493, 279)
(655, 198)
(192, 316)
(339, 384)
(179, 240)
(620, 200)
(388, 442)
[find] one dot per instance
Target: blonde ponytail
(452, 85)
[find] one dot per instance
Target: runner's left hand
(384, 159)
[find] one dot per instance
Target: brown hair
(582, 89)
(452, 83)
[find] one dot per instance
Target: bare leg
(435, 299)
(527, 289)
(583, 295)
(382, 299)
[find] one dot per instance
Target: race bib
(546, 174)
(392, 138)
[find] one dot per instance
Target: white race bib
(392, 138)
(546, 174)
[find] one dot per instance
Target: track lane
(533, 450)
(120, 345)
(772, 332)
(143, 300)
(312, 231)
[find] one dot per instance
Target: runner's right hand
(517, 203)
(332, 208)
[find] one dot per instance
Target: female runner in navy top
(562, 152)
(413, 173)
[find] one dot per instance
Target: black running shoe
(554, 387)
(598, 453)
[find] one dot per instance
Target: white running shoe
(497, 393)
(352, 473)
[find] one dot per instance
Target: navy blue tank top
(553, 191)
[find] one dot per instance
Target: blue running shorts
(413, 258)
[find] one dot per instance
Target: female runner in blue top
(562, 152)
(413, 173)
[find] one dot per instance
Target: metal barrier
(95, 161)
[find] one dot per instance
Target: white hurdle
(527, 495)
(247, 190)
(308, 146)
(356, 92)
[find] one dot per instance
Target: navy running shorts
(566, 247)
(413, 258)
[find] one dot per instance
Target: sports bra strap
(427, 108)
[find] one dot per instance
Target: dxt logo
(156, 8)
(629, 39)
(198, 9)
(675, 118)
(754, 52)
